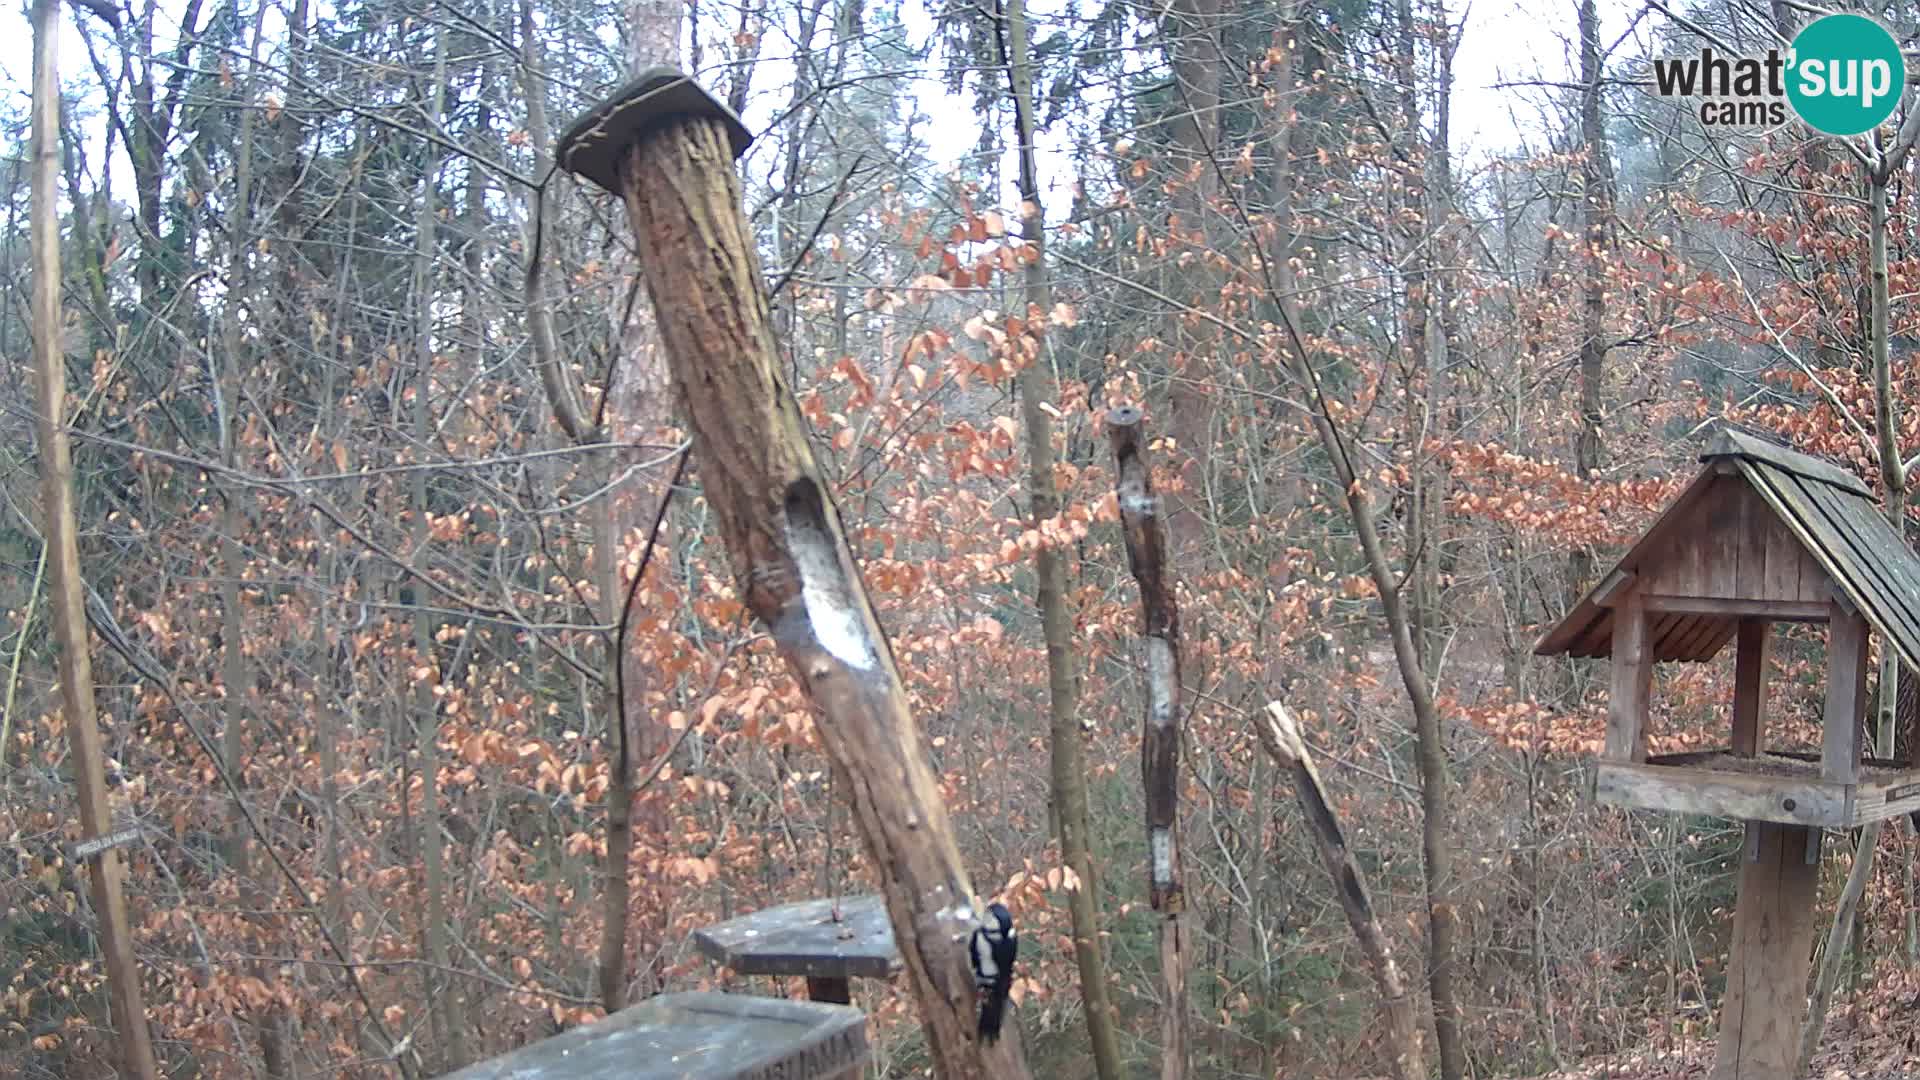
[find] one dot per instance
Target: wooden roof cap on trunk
(594, 145)
(1751, 493)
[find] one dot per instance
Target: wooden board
(1769, 956)
(1733, 443)
(1682, 789)
(1734, 548)
(696, 1036)
(1879, 800)
(805, 939)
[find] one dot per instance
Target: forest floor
(1873, 1037)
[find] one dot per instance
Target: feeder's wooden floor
(1779, 786)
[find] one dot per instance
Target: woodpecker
(992, 950)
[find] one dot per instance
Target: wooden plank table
(696, 1036)
(806, 939)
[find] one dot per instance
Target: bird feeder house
(1762, 535)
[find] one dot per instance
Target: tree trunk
(1435, 782)
(1145, 534)
(1893, 483)
(793, 565)
(1281, 737)
(443, 998)
(65, 587)
(639, 409)
(1050, 575)
(1596, 213)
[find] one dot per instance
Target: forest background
(362, 501)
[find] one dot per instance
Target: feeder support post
(667, 148)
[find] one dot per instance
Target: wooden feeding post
(667, 148)
(829, 942)
(1762, 535)
(696, 1036)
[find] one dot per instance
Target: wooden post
(1753, 641)
(1281, 736)
(64, 584)
(1632, 682)
(1769, 957)
(1846, 695)
(667, 148)
(1146, 538)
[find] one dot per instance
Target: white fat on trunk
(1160, 682)
(1160, 854)
(833, 610)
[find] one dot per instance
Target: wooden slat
(1715, 793)
(1719, 640)
(1705, 629)
(1846, 697)
(1881, 580)
(1783, 551)
(1598, 638)
(1738, 443)
(1864, 556)
(1778, 610)
(1750, 686)
(1753, 525)
(1632, 680)
(1664, 634)
(1887, 798)
(1611, 587)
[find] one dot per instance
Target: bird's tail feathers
(992, 1011)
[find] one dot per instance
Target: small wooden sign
(87, 849)
(1901, 792)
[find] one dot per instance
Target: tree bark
(1145, 533)
(64, 584)
(1893, 484)
(1596, 213)
(1435, 781)
(443, 997)
(1281, 737)
(1068, 754)
(638, 409)
(794, 568)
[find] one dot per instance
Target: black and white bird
(993, 949)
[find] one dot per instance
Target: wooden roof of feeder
(1763, 530)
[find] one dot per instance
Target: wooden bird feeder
(1762, 535)
(829, 942)
(696, 1036)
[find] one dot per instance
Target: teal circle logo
(1846, 74)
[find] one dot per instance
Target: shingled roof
(1830, 511)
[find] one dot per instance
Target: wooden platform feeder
(1762, 535)
(829, 942)
(697, 1036)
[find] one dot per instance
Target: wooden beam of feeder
(1280, 734)
(791, 561)
(1145, 533)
